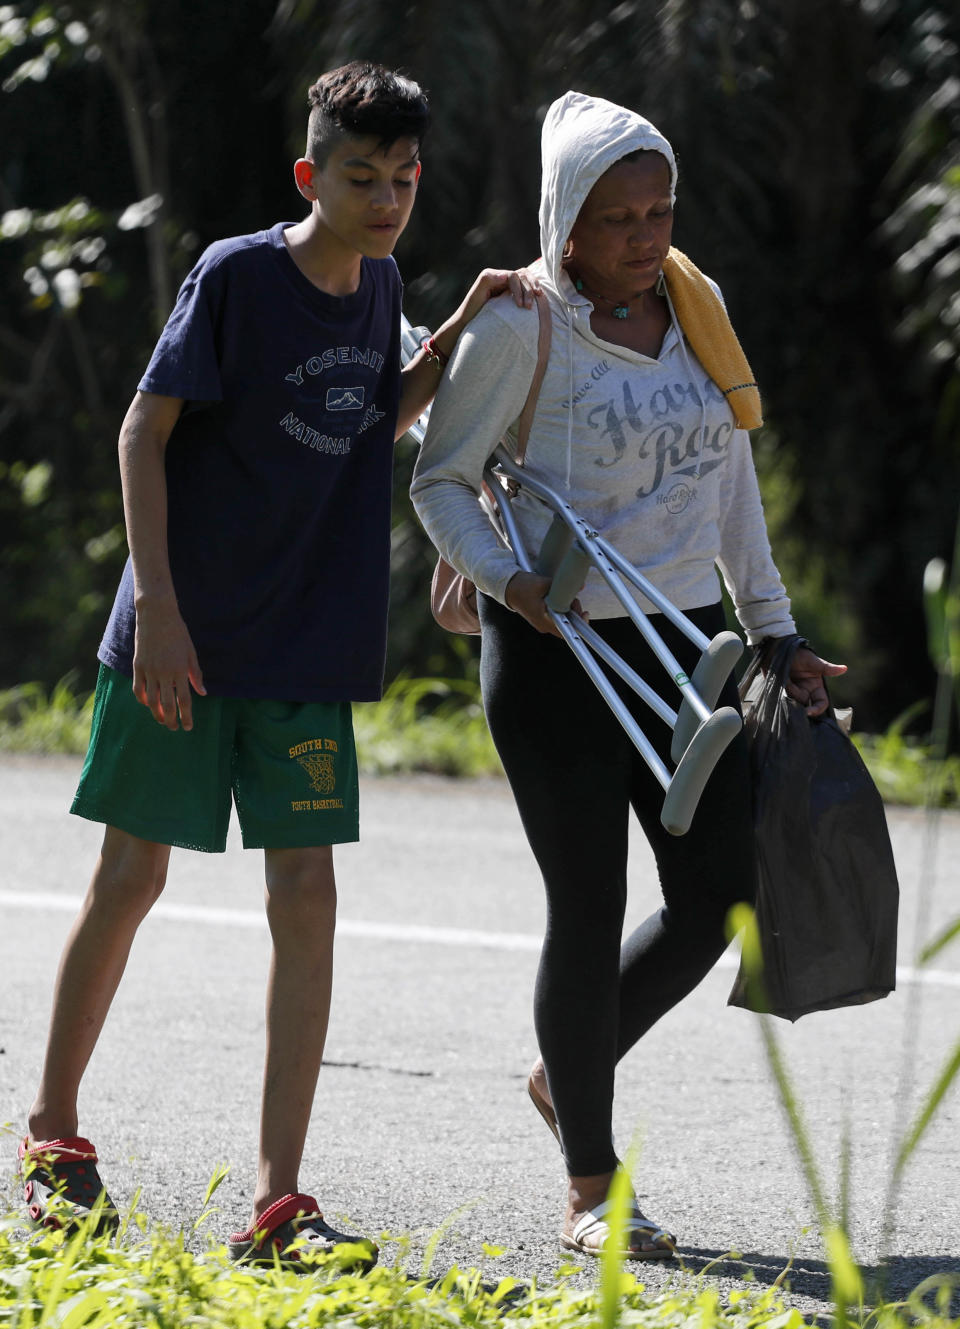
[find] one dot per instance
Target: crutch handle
(696, 765)
(568, 579)
(707, 680)
(555, 547)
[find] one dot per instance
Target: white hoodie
(645, 449)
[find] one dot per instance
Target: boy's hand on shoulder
(165, 664)
(497, 281)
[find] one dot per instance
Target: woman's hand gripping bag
(827, 892)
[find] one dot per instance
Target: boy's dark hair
(361, 99)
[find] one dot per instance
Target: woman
(644, 442)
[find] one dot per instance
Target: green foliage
(614, 1282)
(907, 769)
(941, 597)
(152, 1278)
(925, 1114)
(33, 721)
(425, 724)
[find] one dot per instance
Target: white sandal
(592, 1230)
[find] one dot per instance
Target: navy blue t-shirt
(278, 473)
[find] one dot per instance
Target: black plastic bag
(827, 892)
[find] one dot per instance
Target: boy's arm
(419, 379)
(164, 660)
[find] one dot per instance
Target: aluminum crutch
(569, 549)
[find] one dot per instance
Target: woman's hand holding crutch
(527, 595)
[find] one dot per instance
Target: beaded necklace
(621, 308)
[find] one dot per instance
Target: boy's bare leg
(301, 899)
(129, 875)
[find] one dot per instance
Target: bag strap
(543, 355)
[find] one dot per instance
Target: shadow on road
(894, 1280)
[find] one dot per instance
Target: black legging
(575, 774)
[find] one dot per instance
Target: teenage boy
(256, 467)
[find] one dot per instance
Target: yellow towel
(710, 333)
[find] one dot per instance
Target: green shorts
(290, 767)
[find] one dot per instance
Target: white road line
(52, 901)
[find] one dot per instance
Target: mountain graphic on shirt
(345, 399)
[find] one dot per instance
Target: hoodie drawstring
(569, 396)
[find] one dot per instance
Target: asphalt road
(421, 1120)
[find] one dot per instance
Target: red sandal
(291, 1230)
(62, 1186)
